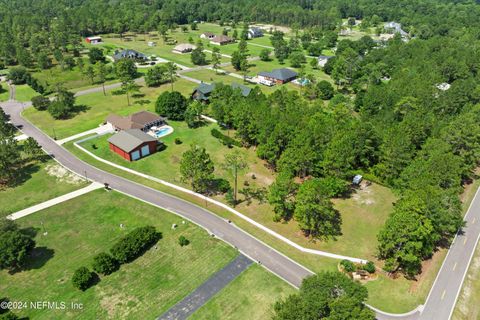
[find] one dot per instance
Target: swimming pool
(163, 131)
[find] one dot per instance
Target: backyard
(82, 227)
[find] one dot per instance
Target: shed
(357, 179)
(93, 40)
(132, 144)
(184, 48)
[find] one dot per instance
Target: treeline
(405, 115)
(33, 30)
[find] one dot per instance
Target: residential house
(93, 40)
(395, 27)
(322, 60)
(184, 48)
(254, 32)
(203, 91)
(133, 144)
(142, 120)
(278, 76)
(207, 35)
(129, 54)
(221, 40)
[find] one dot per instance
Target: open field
(250, 296)
(38, 182)
(143, 289)
(98, 107)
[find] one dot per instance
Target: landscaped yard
(38, 182)
(98, 107)
(250, 296)
(87, 225)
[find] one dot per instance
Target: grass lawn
(143, 289)
(363, 214)
(467, 306)
(99, 107)
(73, 79)
(24, 93)
(250, 296)
(4, 92)
(38, 182)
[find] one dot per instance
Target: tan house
(142, 120)
(184, 48)
(221, 40)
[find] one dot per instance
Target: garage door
(135, 155)
(145, 151)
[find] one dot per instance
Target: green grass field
(39, 182)
(143, 289)
(24, 93)
(99, 107)
(250, 296)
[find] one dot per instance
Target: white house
(254, 32)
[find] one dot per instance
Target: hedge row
(226, 140)
(135, 244)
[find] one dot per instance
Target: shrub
(347, 265)
(18, 75)
(135, 244)
(333, 187)
(9, 316)
(171, 105)
(83, 278)
(226, 140)
(105, 264)
(178, 141)
(40, 103)
(369, 267)
(182, 241)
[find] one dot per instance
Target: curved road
(440, 302)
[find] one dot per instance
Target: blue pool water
(163, 132)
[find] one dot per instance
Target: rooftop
(128, 140)
(136, 120)
(279, 74)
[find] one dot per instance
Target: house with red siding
(133, 144)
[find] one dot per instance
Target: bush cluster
(105, 264)
(135, 243)
(226, 140)
(83, 278)
(349, 266)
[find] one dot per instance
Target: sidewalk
(52, 202)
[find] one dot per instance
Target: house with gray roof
(322, 60)
(395, 27)
(254, 32)
(133, 144)
(129, 54)
(203, 91)
(279, 76)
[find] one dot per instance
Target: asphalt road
(221, 228)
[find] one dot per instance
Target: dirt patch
(63, 175)
(260, 179)
(267, 27)
(363, 195)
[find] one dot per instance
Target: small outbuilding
(133, 144)
(184, 48)
(322, 60)
(93, 40)
(357, 179)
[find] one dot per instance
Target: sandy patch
(363, 195)
(63, 175)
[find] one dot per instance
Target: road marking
(443, 294)
(454, 266)
(465, 241)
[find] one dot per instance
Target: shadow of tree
(38, 257)
(142, 102)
